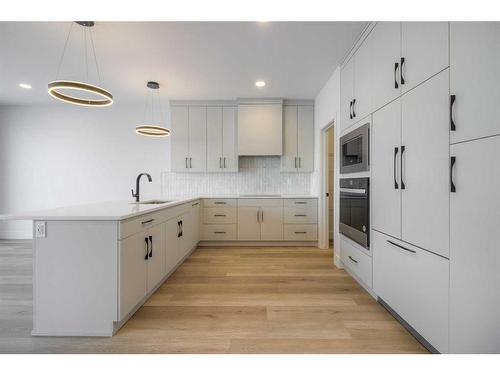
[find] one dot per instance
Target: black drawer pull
(300, 215)
(353, 106)
(354, 260)
(151, 246)
(396, 150)
(300, 232)
(219, 202)
(403, 185)
(401, 71)
(221, 215)
(148, 221)
(300, 202)
(195, 204)
(453, 160)
(452, 123)
(179, 229)
(396, 65)
(350, 109)
(219, 232)
(402, 247)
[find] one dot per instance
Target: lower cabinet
(415, 284)
(156, 256)
(260, 219)
(356, 261)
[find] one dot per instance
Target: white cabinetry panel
(362, 80)
(156, 260)
(425, 136)
(214, 139)
(271, 219)
(305, 138)
(179, 141)
(229, 140)
(197, 138)
(260, 129)
(474, 62)
(346, 93)
(249, 223)
(289, 157)
(424, 51)
(475, 248)
(385, 167)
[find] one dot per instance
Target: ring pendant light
(151, 130)
(57, 88)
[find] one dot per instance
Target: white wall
(326, 109)
(61, 155)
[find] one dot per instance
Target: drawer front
(132, 226)
(260, 202)
(219, 232)
(219, 215)
(358, 262)
(220, 202)
(301, 203)
(300, 232)
(415, 284)
(300, 215)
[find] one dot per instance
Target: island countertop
(121, 210)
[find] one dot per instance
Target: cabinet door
(171, 244)
(249, 223)
(425, 136)
(289, 162)
(133, 272)
(385, 167)
(195, 223)
(271, 228)
(362, 80)
(346, 94)
(156, 256)
(179, 139)
(424, 50)
(474, 248)
(229, 141)
(386, 55)
(474, 62)
(305, 138)
(197, 138)
(214, 139)
(415, 284)
(187, 235)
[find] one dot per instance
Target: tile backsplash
(257, 175)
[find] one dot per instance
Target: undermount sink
(153, 201)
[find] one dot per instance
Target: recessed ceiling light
(260, 83)
(25, 85)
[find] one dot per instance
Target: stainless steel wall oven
(355, 209)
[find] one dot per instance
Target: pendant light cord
(95, 58)
(85, 51)
(64, 51)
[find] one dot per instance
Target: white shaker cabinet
(179, 138)
(156, 256)
(361, 102)
(172, 244)
(475, 247)
(298, 154)
(249, 223)
(385, 167)
(260, 219)
(386, 56)
(424, 52)
(221, 139)
(474, 83)
(189, 138)
(425, 165)
(346, 93)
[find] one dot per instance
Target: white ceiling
(190, 60)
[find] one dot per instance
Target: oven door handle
(353, 191)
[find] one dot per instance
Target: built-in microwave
(355, 150)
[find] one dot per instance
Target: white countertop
(121, 210)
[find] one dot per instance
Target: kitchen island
(95, 265)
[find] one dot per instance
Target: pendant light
(58, 88)
(152, 130)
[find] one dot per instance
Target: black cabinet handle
(350, 109)
(219, 202)
(151, 246)
(396, 65)
(220, 232)
(354, 260)
(300, 232)
(147, 249)
(300, 215)
(182, 229)
(178, 229)
(401, 71)
(452, 123)
(453, 189)
(396, 150)
(221, 215)
(147, 221)
(402, 247)
(224, 162)
(353, 106)
(403, 186)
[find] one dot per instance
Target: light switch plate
(40, 229)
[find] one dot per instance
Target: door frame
(323, 217)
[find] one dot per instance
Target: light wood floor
(223, 300)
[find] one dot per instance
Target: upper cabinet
(355, 86)
(189, 138)
(298, 154)
(474, 61)
(386, 56)
(424, 52)
(221, 139)
(260, 127)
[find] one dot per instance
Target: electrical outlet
(40, 231)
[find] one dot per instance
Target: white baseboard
(257, 243)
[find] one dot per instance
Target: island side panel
(75, 279)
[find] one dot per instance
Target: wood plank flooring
(223, 300)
